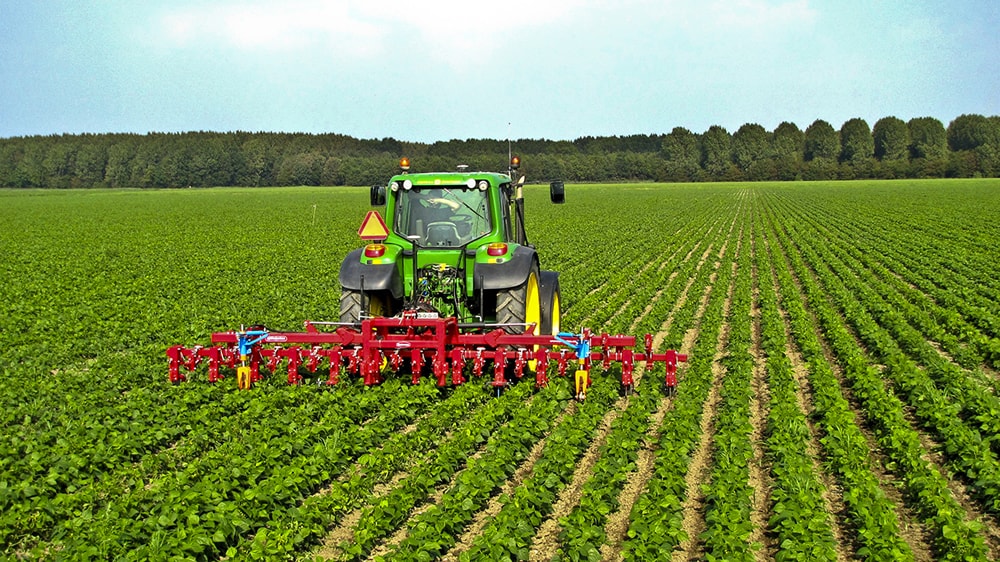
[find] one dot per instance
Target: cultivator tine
(457, 366)
(334, 356)
(353, 362)
(627, 368)
(672, 357)
(371, 367)
(214, 356)
(177, 356)
(395, 361)
(499, 367)
(294, 357)
(417, 364)
(439, 365)
(478, 362)
(541, 366)
(519, 362)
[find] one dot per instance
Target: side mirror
(557, 192)
(378, 195)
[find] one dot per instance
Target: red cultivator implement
(438, 347)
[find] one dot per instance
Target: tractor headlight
(483, 185)
(470, 183)
(394, 186)
(407, 185)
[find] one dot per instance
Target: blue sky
(426, 71)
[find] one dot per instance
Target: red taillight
(496, 249)
(374, 250)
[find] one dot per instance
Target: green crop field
(841, 401)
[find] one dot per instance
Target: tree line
(919, 148)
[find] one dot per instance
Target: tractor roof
(450, 178)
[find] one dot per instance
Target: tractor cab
(443, 216)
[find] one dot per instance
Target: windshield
(442, 217)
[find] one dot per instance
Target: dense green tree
(968, 132)
(682, 152)
(892, 139)
(91, 162)
(788, 141)
(928, 138)
(961, 164)
(118, 171)
(821, 141)
(259, 159)
(819, 169)
(856, 142)
(332, 174)
(788, 149)
(30, 171)
(751, 143)
(59, 164)
(212, 162)
(988, 160)
(8, 162)
(716, 152)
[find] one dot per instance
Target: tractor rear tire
(352, 309)
(521, 305)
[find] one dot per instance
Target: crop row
(728, 494)
(444, 441)
(655, 520)
(603, 301)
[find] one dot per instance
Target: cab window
(442, 217)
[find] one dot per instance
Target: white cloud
(762, 15)
(753, 17)
(266, 26)
(453, 31)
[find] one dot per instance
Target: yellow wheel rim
(555, 314)
(533, 314)
(532, 305)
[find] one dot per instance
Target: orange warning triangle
(373, 227)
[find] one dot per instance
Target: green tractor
(453, 245)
